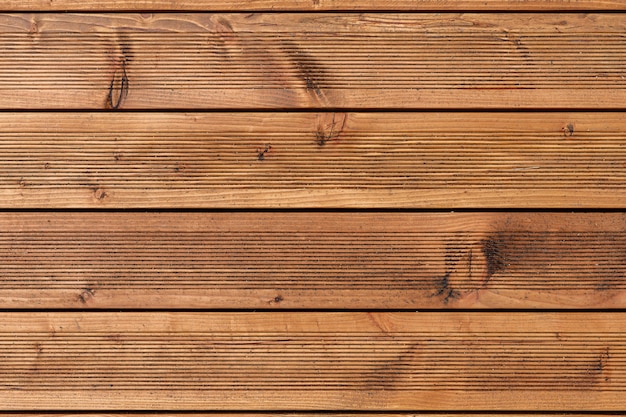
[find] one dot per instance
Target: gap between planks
(312, 260)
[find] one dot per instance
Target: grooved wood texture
(307, 5)
(332, 361)
(330, 60)
(187, 105)
(312, 260)
(276, 414)
(289, 160)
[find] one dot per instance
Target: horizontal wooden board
(307, 5)
(312, 260)
(317, 60)
(308, 160)
(313, 361)
(291, 414)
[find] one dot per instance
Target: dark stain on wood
(276, 300)
(118, 90)
(596, 372)
(263, 151)
(120, 84)
(99, 193)
(126, 49)
(494, 250)
(603, 360)
(224, 39)
(445, 290)
(329, 130)
(86, 294)
(515, 249)
(388, 374)
(309, 69)
(222, 25)
(568, 130)
(179, 167)
(443, 285)
(34, 27)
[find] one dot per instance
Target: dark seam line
(315, 310)
(478, 210)
(321, 11)
(327, 110)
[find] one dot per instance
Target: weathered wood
(323, 60)
(272, 160)
(312, 260)
(307, 5)
(313, 361)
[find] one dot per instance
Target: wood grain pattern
(307, 5)
(285, 414)
(323, 60)
(288, 160)
(312, 260)
(499, 110)
(313, 361)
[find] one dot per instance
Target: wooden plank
(307, 5)
(290, 160)
(288, 414)
(312, 260)
(321, 60)
(313, 361)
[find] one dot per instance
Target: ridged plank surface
(277, 414)
(302, 361)
(308, 160)
(312, 260)
(324, 60)
(307, 5)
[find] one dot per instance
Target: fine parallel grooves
(234, 61)
(84, 357)
(307, 260)
(290, 414)
(307, 5)
(218, 356)
(416, 64)
(221, 159)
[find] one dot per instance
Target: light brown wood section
(307, 5)
(313, 361)
(312, 60)
(312, 260)
(291, 414)
(309, 160)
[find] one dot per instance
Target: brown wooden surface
(307, 5)
(312, 260)
(328, 361)
(291, 414)
(330, 60)
(281, 414)
(289, 160)
(117, 313)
